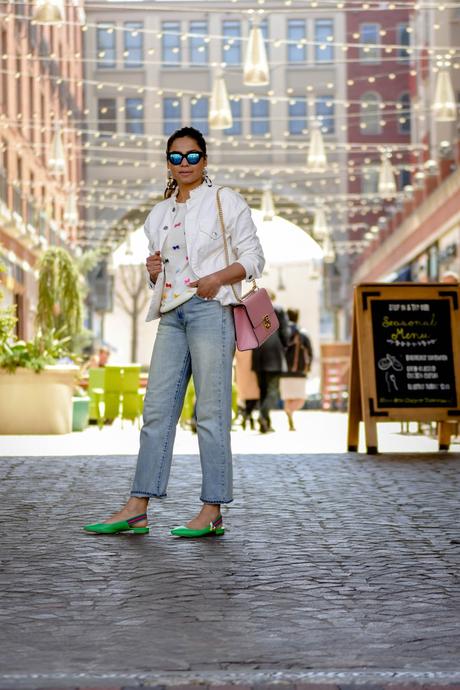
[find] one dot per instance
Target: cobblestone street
(329, 563)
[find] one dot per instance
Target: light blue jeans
(197, 338)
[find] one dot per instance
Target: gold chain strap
(227, 257)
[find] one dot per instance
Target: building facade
(421, 235)
(41, 88)
(150, 72)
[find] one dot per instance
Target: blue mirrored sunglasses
(193, 157)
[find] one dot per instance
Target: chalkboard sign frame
(364, 401)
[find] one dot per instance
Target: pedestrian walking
(269, 363)
(247, 386)
(299, 356)
(192, 298)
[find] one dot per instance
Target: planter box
(80, 413)
(33, 403)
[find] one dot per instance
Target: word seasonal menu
(413, 354)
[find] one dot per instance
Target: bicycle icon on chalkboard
(386, 364)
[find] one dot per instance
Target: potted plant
(37, 377)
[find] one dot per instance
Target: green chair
(132, 395)
(112, 392)
(96, 378)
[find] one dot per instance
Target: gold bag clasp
(266, 321)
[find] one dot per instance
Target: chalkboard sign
(414, 364)
(405, 358)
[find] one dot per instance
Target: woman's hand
(207, 287)
(154, 266)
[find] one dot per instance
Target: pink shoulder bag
(254, 316)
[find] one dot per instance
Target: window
(199, 114)
(324, 112)
(297, 32)
(405, 114)
(297, 116)
(106, 46)
(260, 122)
(324, 34)
(198, 48)
(172, 115)
(106, 116)
(235, 107)
(170, 43)
(231, 47)
(133, 45)
(370, 38)
(405, 178)
(134, 115)
(370, 113)
(370, 180)
(403, 40)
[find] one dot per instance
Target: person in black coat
(269, 363)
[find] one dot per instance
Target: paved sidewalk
(317, 432)
(334, 568)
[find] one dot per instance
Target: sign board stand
(405, 358)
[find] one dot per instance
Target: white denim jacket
(205, 246)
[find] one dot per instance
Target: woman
(192, 297)
(299, 356)
(247, 386)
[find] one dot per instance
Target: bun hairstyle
(192, 133)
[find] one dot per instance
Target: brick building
(421, 236)
(41, 88)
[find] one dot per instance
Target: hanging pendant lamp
(267, 205)
(48, 12)
(328, 250)
(256, 72)
(387, 183)
(444, 104)
(220, 114)
(320, 226)
(56, 160)
(71, 210)
(316, 158)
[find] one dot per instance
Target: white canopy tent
(283, 243)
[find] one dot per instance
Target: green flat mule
(122, 526)
(214, 529)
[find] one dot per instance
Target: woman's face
(184, 172)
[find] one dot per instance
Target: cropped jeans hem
(146, 494)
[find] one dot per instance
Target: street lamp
(220, 114)
(256, 72)
(48, 12)
(56, 160)
(444, 104)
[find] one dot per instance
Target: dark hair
(293, 315)
(194, 134)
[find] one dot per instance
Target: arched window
(404, 114)
(370, 113)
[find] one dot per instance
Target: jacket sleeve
(245, 242)
(151, 250)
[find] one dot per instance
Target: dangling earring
(170, 184)
(206, 177)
